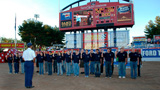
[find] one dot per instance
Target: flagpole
(15, 32)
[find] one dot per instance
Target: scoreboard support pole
(92, 39)
(97, 40)
(75, 40)
(105, 30)
(115, 39)
(82, 38)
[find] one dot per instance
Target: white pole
(15, 32)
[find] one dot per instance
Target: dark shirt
(63, 57)
(82, 55)
(68, 58)
(21, 59)
(140, 58)
(92, 56)
(122, 56)
(10, 59)
(38, 57)
(86, 57)
(59, 59)
(49, 57)
(133, 56)
(41, 59)
(76, 58)
(108, 56)
(16, 59)
(97, 57)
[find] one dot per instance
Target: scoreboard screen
(97, 15)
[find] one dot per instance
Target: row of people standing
(16, 60)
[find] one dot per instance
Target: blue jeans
(97, 69)
(64, 66)
(72, 67)
(49, 68)
(10, 67)
(41, 70)
(46, 66)
(92, 67)
(16, 67)
(22, 67)
(68, 69)
(29, 68)
(108, 68)
(59, 65)
(86, 68)
(76, 69)
(122, 69)
(133, 69)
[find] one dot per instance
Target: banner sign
(150, 53)
(66, 16)
(11, 45)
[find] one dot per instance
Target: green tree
(40, 35)
(153, 28)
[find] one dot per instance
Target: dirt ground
(150, 80)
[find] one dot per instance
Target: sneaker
(119, 77)
(124, 77)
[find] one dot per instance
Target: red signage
(142, 38)
(11, 45)
(97, 15)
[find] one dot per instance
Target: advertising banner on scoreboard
(124, 13)
(66, 16)
(150, 53)
(11, 45)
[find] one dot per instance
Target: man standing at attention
(29, 58)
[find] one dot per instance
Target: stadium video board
(97, 15)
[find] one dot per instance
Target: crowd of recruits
(70, 62)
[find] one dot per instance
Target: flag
(127, 0)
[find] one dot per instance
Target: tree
(153, 28)
(40, 35)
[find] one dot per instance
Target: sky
(48, 11)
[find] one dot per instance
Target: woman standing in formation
(22, 64)
(16, 63)
(59, 63)
(41, 60)
(86, 59)
(10, 61)
(68, 63)
(76, 59)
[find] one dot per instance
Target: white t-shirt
(29, 54)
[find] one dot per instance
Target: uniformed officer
(10, 61)
(68, 63)
(55, 62)
(140, 63)
(108, 62)
(72, 53)
(22, 64)
(76, 59)
(97, 62)
(64, 62)
(92, 62)
(29, 58)
(50, 61)
(59, 63)
(41, 60)
(16, 63)
(122, 61)
(86, 59)
(134, 61)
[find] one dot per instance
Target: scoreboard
(97, 15)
